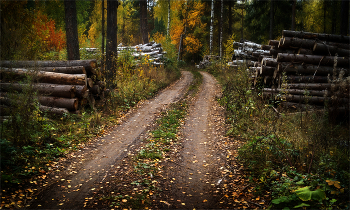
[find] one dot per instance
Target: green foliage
(300, 158)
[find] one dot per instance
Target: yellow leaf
(205, 200)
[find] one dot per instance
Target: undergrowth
(30, 139)
(302, 159)
(155, 148)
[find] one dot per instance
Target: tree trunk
(274, 43)
(64, 91)
(298, 43)
(325, 49)
(323, 37)
(69, 103)
(211, 33)
(168, 25)
(63, 69)
(53, 111)
(229, 17)
(81, 91)
(293, 14)
(305, 51)
(310, 86)
(307, 79)
(308, 69)
(143, 21)
(271, 18)
(297, 92)
(267, 70)
(313, 59)
(71, 30)
(89, 65)
(221, 26)
(103, 27)
(49, 77)
(112, 45)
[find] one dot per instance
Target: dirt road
(90, 165)
(197, 173)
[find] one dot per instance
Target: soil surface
(196, 178)
(200, 173)
(75, 178)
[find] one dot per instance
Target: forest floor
(199, 172)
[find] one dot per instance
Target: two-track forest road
(77, 177)
(197, 174)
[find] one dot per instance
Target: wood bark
(112, 45)
(71, 30)
(293, 105)
(89, 65)
(95, 90)
(297, 92)
(271, 19)
(324, 49)
(265, 47)
(274, 43)
(323, 37)
(221, 27)
(81, 91)
(267, 70)
(48, 77)
(64, 91)
(344, 17)
(310, 86)
(168, 24)
(211, 32)
(269, 62)
(305, 51)
(103, 28)
(69, 103)
(307, 79)
(63, 69)
(292, 42)
(53, 110)
(307, 99)
(89, 82)
(313, 59)
(309, 69)
(143, 21)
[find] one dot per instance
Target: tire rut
(198, 175)
(91, 165)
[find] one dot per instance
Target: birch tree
(211, 28)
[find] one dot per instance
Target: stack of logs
(311, 68)
(61, 86)
(207, 59)
(153, 50)
(247, 52)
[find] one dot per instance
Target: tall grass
(285, 151)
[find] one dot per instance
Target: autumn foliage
(45, 29)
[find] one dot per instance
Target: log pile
(309, 68)
(153, 50)
(61, 86)
(207, 60)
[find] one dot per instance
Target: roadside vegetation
(30, 140)
(145, 172)
(301, 159)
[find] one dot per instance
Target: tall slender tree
(271, 18)
(168, 25)
(143, 21)
(344, 17)
(294, 3)
(221, 26)
(111, 48)
(211, 28)
(70, 9)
